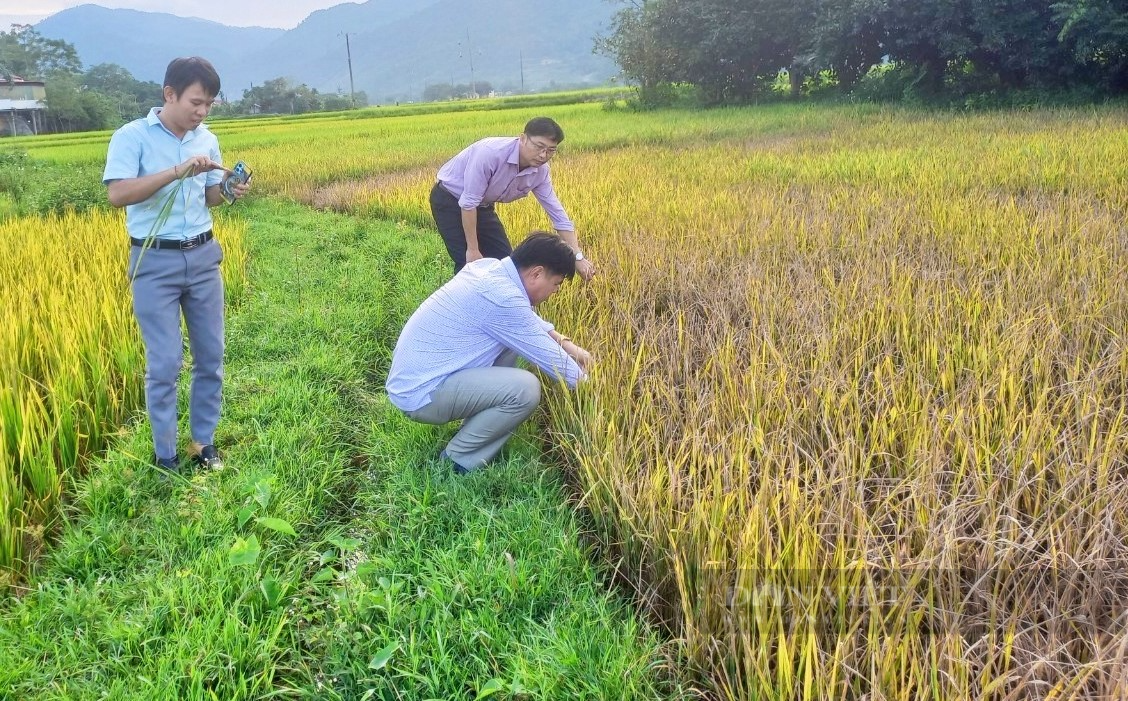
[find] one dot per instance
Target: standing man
(165, 169)
(499, 169)
(456, 357)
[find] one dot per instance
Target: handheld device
(239, 174)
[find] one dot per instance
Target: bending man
(456, 357)
(499, 169)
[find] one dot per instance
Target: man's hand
(586, 269)
(196, 165)
(129, 191)
(240, 190)
(472, 254)
(581, 356)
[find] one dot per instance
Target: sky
(284, 14)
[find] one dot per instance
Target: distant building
(22, 106)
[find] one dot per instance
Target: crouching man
(456, 357)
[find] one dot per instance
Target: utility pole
(348, 53)
(522, 70)
(470, 54)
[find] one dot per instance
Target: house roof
(16, 80)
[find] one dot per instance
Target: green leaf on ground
(276, 524)
(384, 656)
(245, 552)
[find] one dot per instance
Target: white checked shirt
(467, 323)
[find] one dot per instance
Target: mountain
(397, 47)
(144, 42)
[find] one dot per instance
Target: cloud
(43, 8)
(240, 13)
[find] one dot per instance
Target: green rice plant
(71, 359)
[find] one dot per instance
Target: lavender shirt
(467, 323)
(488, 171)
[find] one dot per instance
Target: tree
(1095, 32)
(70, 108)
(336, 103)
(1010, 43)
(956, 45)
(437, 92)
(131, 97)
(109, 78)
(1016, 42)
(635, 46)
(281, 97)
(734, 49)
(28, 54)
(447, 91)
(731, 49)
(928, 36)
(848, 39)
(745, 44)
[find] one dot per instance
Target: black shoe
(207, 457)
(167, 466)
(455, 467)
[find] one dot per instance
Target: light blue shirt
(489, 171)
(467, 323)
(145, 146)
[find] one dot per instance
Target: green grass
(397, 581)
(90, 146)
(407, 109)
(34, 186)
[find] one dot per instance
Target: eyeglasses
(541, 148)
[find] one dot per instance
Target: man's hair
(543, 126)
(183, 72)
(549, 250)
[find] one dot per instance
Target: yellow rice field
(70, 359)
(858, 427)
(859, 424)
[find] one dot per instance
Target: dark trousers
(493, 242)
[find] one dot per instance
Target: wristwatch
(579, 255)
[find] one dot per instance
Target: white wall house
(22, 106)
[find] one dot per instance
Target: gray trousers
(168, 283)
(492, 401)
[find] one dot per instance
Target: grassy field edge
(333, 558)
